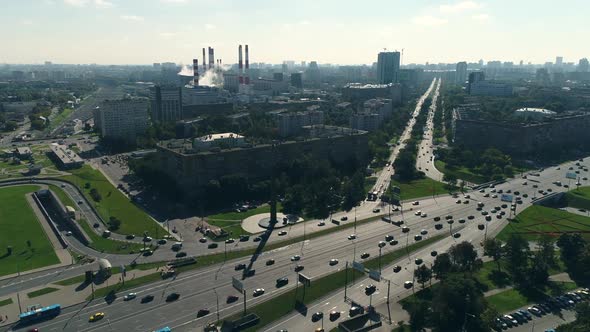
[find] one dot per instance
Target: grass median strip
(512, 299)
(283, 304)
(42, 291)
(5, 302)
(71, 281)
(129, 284)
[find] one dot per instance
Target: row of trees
(491, 164)
(457, 302)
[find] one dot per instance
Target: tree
(419, 311)
(538, 273)
(464, 256)
(114, 223)
(10, 125)
(571, 246)
(423, 274)
(87, 185)
(294, 200)
(493, 249)
(517, 255)
(547, 250)
(442, 266)
(95, 195)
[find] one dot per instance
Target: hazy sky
(329, 31)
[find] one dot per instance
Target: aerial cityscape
(182, 165)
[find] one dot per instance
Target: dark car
(181, 254)
(231, 299)
(147, 298)
(365, 255)
(240, 266)
(203, 312)
(370, 289)
(270, 262)
(172, 297)
(355, 311)
(317, 316)
(299, 268)
(130, 237)
(334, 315)
(212, 245)
(257, 239)
(397, 268)
(438, 226)
(282, 281)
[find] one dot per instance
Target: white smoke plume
(212, 77)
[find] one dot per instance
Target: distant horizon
(136, 32)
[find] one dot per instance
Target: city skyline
(143, 32)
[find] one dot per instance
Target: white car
(418, 212)
(352, 237)
(129, 296)
(258, 292)
(321, 223)
(295, 258)
(424, 215)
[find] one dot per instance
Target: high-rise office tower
(559, 61)
(583, 65)
(388, 67)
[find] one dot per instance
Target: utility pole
(345, 280)
(388, 294)
(244, 302)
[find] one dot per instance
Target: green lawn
(537, 220)
(114, 203)
(462, 173)
(420, 188)
(18, 224)
(5, 302)
(512, 299)
(102, 244)
(265, 208)
(42, 291)
(62, 196)
(60, 118)
(71, 281)
(579, 198)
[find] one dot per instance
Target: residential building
(583, 65)
(388, 67)
(218, 141)
(365, 121)
(66, 157)
(461, 73)
(122, 119)
(291, 124)
(166, 103)
(297, 80)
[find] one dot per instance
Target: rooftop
(65, 155)
(536, 110)
(213, 137)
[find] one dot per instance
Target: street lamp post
(380, 259)
(217, 297)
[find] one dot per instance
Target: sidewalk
(65, 295)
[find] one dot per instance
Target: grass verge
(42, 291)
(113, 203)
(512, 299)
(579, 198)
(537, 220)
(71, 281)
(462, 173)
(23, 241)
(129, 284)
(5, 302)
(420, 188)
(102, 244)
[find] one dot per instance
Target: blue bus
(40, 313)
(164, 329)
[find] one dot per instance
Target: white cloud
(134, 18)
(304, 23)
(167, 34)
(26, 22)
(460, 7)
(103, 4)
(428, 20)
(481, 17)
(77, 3)
(209, 26)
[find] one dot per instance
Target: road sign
(571, 175)
(375, 275)
(304, 280)
(506, 198)
(358, 266)
(238, 284)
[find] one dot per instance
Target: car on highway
(295, 258)
(417, 237)
(202, 312)
(416, 203)
(457, 235)
(147, 298)
(408, 284)
(172, 297)
(282, 282)
(229, 241)
(317, 316)
(147, 239)
(352, 236)
(257, 292)
(449, 217)
(130, 236)
(298, 268)
(203, 240)
(417, 213)
(180, 254)
(270, 262)
(423, 232)
(231, 299)
(129, 296)
(458, 201)
(321, 223)
(376, 210)
(344, 218)
(282, 233)
(257, 239)
(405, 229)
(96, 317)
(333, 261)
(212, 245)
(355, 310)
(436, 218)
(240, 266)
(388, 237)
(334, 315)
(438, 226)
(397, 268)
(365, 255)
(382, 244)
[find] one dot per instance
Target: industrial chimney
(196, 72)
(204, 61)
(240, 67)
(247, 79)
(211, 58)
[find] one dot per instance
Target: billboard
(571, 175)
(375, 275)
(506, 198)
(358, 266)
(304, 280)
(238, 285)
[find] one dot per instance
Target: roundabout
(261, 222)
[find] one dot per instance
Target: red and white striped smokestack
(196, 72)
(247, 80)
(204, 61)
(240, 66)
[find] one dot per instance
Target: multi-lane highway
(425, 157)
